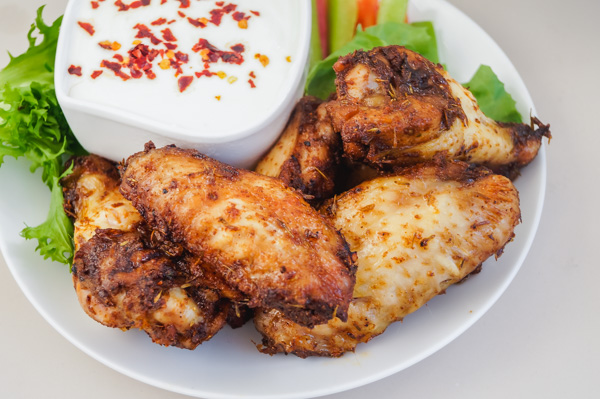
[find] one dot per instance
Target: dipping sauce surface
(207, 67)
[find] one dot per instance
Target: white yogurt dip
(214, 105)
(196, 73)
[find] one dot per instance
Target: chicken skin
(307, 154)
(394, 107)
(255, 234)
(120, 281)
(415, 233)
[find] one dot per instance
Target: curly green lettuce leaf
(55, 235)
(33, 126)
(492, 97)
(418, 36)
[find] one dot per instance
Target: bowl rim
(169, 131)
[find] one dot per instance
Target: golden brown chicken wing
(120, 281)
(415, 233)
(254, 233)
(307, 154)
(394, 107)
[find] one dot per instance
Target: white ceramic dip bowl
(220, 77)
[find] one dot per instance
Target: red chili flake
(142, 56)
(170, 46)
(170, 22)
(159, 21)
(252, 85)
(75, 70)
(122, 6)
(95, 4)
(252, 75)
(163, 1)
(95, 74)
(238, 48)
(216, 16)
(135, 4)
(197, 23)
(238, 16)
(136, 73)
(140, 61)
(87, 27)
(181, 14)
(229, 8)
(118, 57)
(144, 31)
(184, 3)
(205, 72)
(107, 45)
(116, 68)
(184, 82)
(220, 3)
(168, 35)
(182, 57)
(176, 65)
(255, 13)
(213, 54)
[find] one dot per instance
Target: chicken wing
(394, 107)
(255, 234)
(119, 281)
(307, 155)
(415, 233)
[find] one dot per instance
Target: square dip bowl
(220, 77)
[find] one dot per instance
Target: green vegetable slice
(392, 11)
(342, 16)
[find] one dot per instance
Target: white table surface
(540, 340)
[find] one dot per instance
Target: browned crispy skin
(256, 234)
(307, 154)
(125, 285)
(119, 280)
(394, 107)
(415, 233)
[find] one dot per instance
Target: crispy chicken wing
(415, 233)
(307, 154)
(394, 107)
(119, 281)
(255, 234)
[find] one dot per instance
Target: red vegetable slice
(367, 12)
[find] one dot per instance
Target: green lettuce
(33, 126)
(492, 97)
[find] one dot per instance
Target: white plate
(229, 365)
